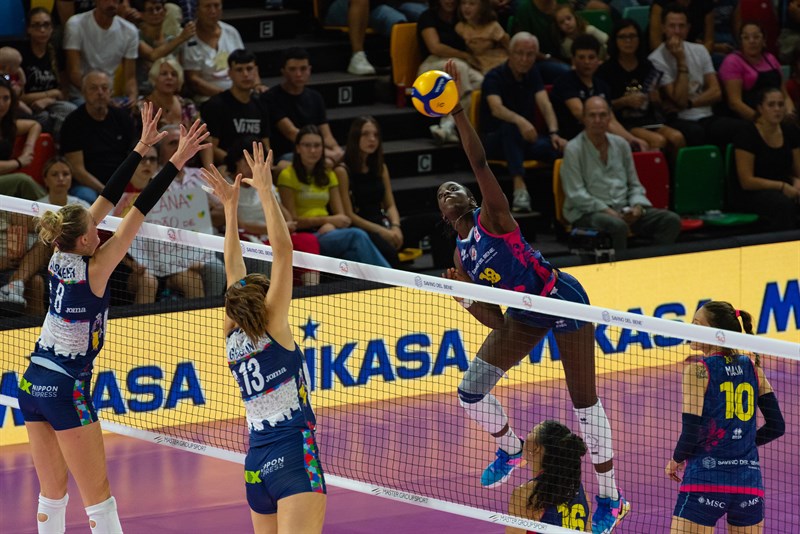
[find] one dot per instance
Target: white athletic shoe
(12, 293)
(360, 65)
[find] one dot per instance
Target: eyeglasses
(627, 36)
(310, 145)
(150, 159)
(41, 25)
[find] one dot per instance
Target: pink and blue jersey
(274, 387)
(573, 514)
(726, 458)
(74, 329)
(504, 261)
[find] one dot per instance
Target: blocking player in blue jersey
(719, 437)
(55, 391)
(554, 495)
(284, 482)
(491, 251)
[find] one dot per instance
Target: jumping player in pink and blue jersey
(554, 495)
(719, 436)
(284, 482)
(55, 391)
(491, 251)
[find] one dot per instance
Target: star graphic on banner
(310, 329)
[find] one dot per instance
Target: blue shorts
(59, 399)
(706, 508)
(566, 288)
(282, 469)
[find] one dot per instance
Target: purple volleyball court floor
(164, 490)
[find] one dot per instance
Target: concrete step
(258, 24)
(396, 123)
(338, 89)
(421, 156)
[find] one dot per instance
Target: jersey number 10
(735, 402)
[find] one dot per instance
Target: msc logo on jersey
(711, 502)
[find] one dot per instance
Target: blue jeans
(507, 143)
(351, 244)
(84, 193)
(381, 18)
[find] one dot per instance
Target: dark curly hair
(560, 479)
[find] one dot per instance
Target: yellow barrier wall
(172, 370)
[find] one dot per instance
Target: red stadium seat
(43, 150)
(763, 12)
(654, 175)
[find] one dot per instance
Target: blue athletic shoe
(608, 514)
(499, 470)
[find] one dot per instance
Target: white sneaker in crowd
(360, 65)
(13, 293)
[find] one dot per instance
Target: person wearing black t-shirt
(767, 153)
(235, 112)
(576, 86)
(292, 105)
(633, 82)
(96, 137)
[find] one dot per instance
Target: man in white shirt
(205, 59)
(602, 189)
(101, 40)
(689, 84)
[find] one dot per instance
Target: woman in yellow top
(310, 192)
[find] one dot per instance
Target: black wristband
(152, 193)
(688, 440)
(119, 180)
(19, 165)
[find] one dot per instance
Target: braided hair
(560, 478)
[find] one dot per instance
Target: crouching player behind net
(287, 496)
(491, 251)
(719, 436)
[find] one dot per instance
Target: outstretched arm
(279, 294)
(228, 194)
(495, 212)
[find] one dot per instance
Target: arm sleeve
(774, 425)
(688, 440)
(152, 193)
(119, 180)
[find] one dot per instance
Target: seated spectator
(570, 25)
(438, 42)
(10, 128)
(11, 69)
(205, 59)
(67, 8)
(293, 105)
(154, 41)
(768, 165)
(358, 15)
(727, 25)
(572, 89)
(20, 286)
(602, 189)
(511, 94)
(96, 137)
(235, 112)
(166, 78)
(689, 85)
(486, 40)
(253, 225)
(310, 193)
(747, 72)
(633, 84)
(45, 83)
(100, 40)
(537, 17)
(699, 22)
(27, 278)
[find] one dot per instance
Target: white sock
(608, 485)
(489, 413)
(55, 512)
(103, 517)
(509, 442)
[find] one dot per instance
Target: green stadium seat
(599, 18)
(638, 14)
(699, 187)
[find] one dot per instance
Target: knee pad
(51, 515)
(103, 517)
(479, 379)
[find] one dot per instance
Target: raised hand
(150, 135)
(261, 167)
(191, 142)
(451, 69)
(226, 192)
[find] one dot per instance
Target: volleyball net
(386, 350)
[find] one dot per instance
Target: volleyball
(434, 93)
